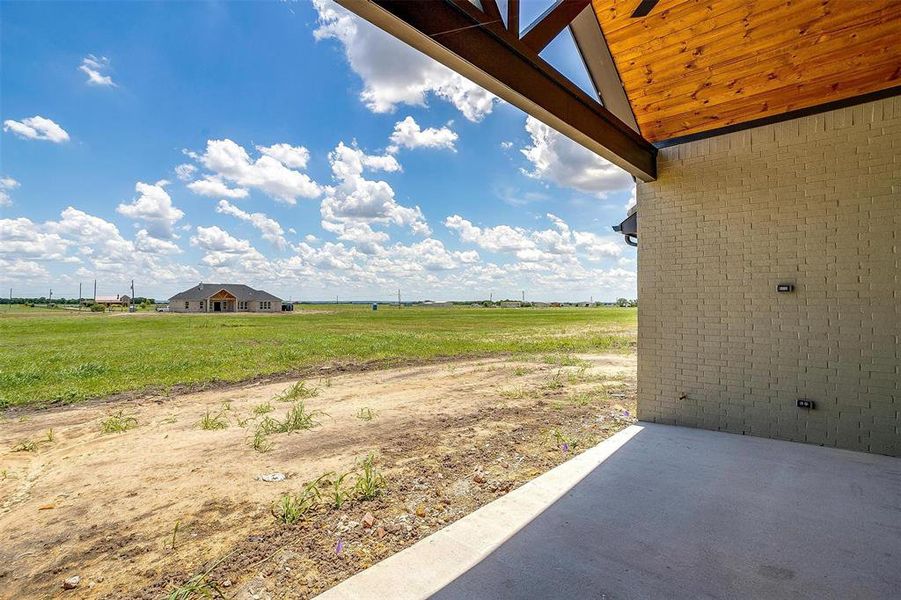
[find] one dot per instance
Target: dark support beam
(644, 8)
(554, 20)
(461, 37)
(489, 7)
(513, 16)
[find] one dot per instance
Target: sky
(290, 146)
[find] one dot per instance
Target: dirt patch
(137, 513)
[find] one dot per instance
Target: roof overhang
(478, 45)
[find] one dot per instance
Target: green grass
(58, 356)
(118, 423)
(212, 422)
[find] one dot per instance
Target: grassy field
(58, 356)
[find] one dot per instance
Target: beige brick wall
(816, 202)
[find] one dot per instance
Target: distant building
(224, 297)
(511, 304)
(432, 304)
(110, 301)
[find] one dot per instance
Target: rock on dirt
(368, 520)
(71, 582)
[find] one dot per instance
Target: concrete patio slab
(669, 512)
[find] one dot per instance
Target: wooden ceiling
(695, 65)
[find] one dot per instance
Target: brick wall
(815, 202)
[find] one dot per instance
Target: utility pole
(336, 299)
(523, 296)
(491, 297)
(132, 295)
(95, 291)
(50, 301)
(398, 298)
(79, 296)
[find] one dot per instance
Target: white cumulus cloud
(95, 67)
(227, 161)
(394, 73)
(216, 188)
(153, 207)
(293, 157)
(408, 134)
(7, 184)
(37, 128)
(356, 199)
(558, 159)
(269, 228)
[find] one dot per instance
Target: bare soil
(139, 513)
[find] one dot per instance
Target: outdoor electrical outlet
(805, 403)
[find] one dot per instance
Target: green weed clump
(259, 442)
(299, 418)
(118, 423)
(366, 414)
(210, 421)
(291, 508)
(25, 446)
(370, 483)
(339, 494)
(298, 391)
(262, 409)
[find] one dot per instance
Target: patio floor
(669, 512)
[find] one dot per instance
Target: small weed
(577, 376)
(299, 418)
(366, 414)
(520, 371)
(564, 360)
(50, 435)
(259, 442)
(211, 422)
(25, 446)
(554, 383)
(196, 587)
(563, 441)
(262, 409)
(242, 423)
(118, 423)
(298, 391)
(268, 425)
(175, 533)
(516, 393)
(339, 493)
(370, 483)
(290, 508)
(226, 406)
(169, 420)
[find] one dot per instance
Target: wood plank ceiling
(696, 65)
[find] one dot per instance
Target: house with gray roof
(224, 297)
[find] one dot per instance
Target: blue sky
(290, 146)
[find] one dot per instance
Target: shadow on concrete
(687, 513)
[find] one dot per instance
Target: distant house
(110, 301)
(224, 297)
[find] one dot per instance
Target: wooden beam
(554, 20)
(644, 8)
(489, 7)
(459, 35)
(513, 16)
